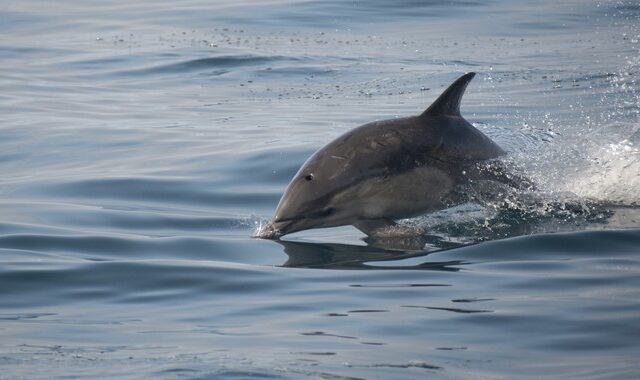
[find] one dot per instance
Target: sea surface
(143, 143)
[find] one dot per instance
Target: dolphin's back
(440, 136)
(453, 138)
(403, 144)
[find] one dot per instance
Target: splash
(613, 174)
(266, 230)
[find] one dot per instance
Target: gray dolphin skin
(388, 170)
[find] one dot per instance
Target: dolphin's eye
(309, 177)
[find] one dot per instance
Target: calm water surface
(142, 143)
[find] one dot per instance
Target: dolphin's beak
(284, 221)
(269, 231)
(276, 229)
(293, 214)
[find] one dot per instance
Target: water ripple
(218, 65)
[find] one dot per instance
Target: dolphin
(389, 170)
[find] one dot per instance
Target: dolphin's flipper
(449, 102)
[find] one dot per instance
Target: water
(142, 144)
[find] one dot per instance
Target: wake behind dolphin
(393, 169)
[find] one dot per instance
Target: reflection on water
(346, 256)
(504, 223)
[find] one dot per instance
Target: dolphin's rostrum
(388, 170)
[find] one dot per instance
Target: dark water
(142, 144)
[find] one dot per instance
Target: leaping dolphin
(388, 170)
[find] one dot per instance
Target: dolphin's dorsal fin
(449, 102)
